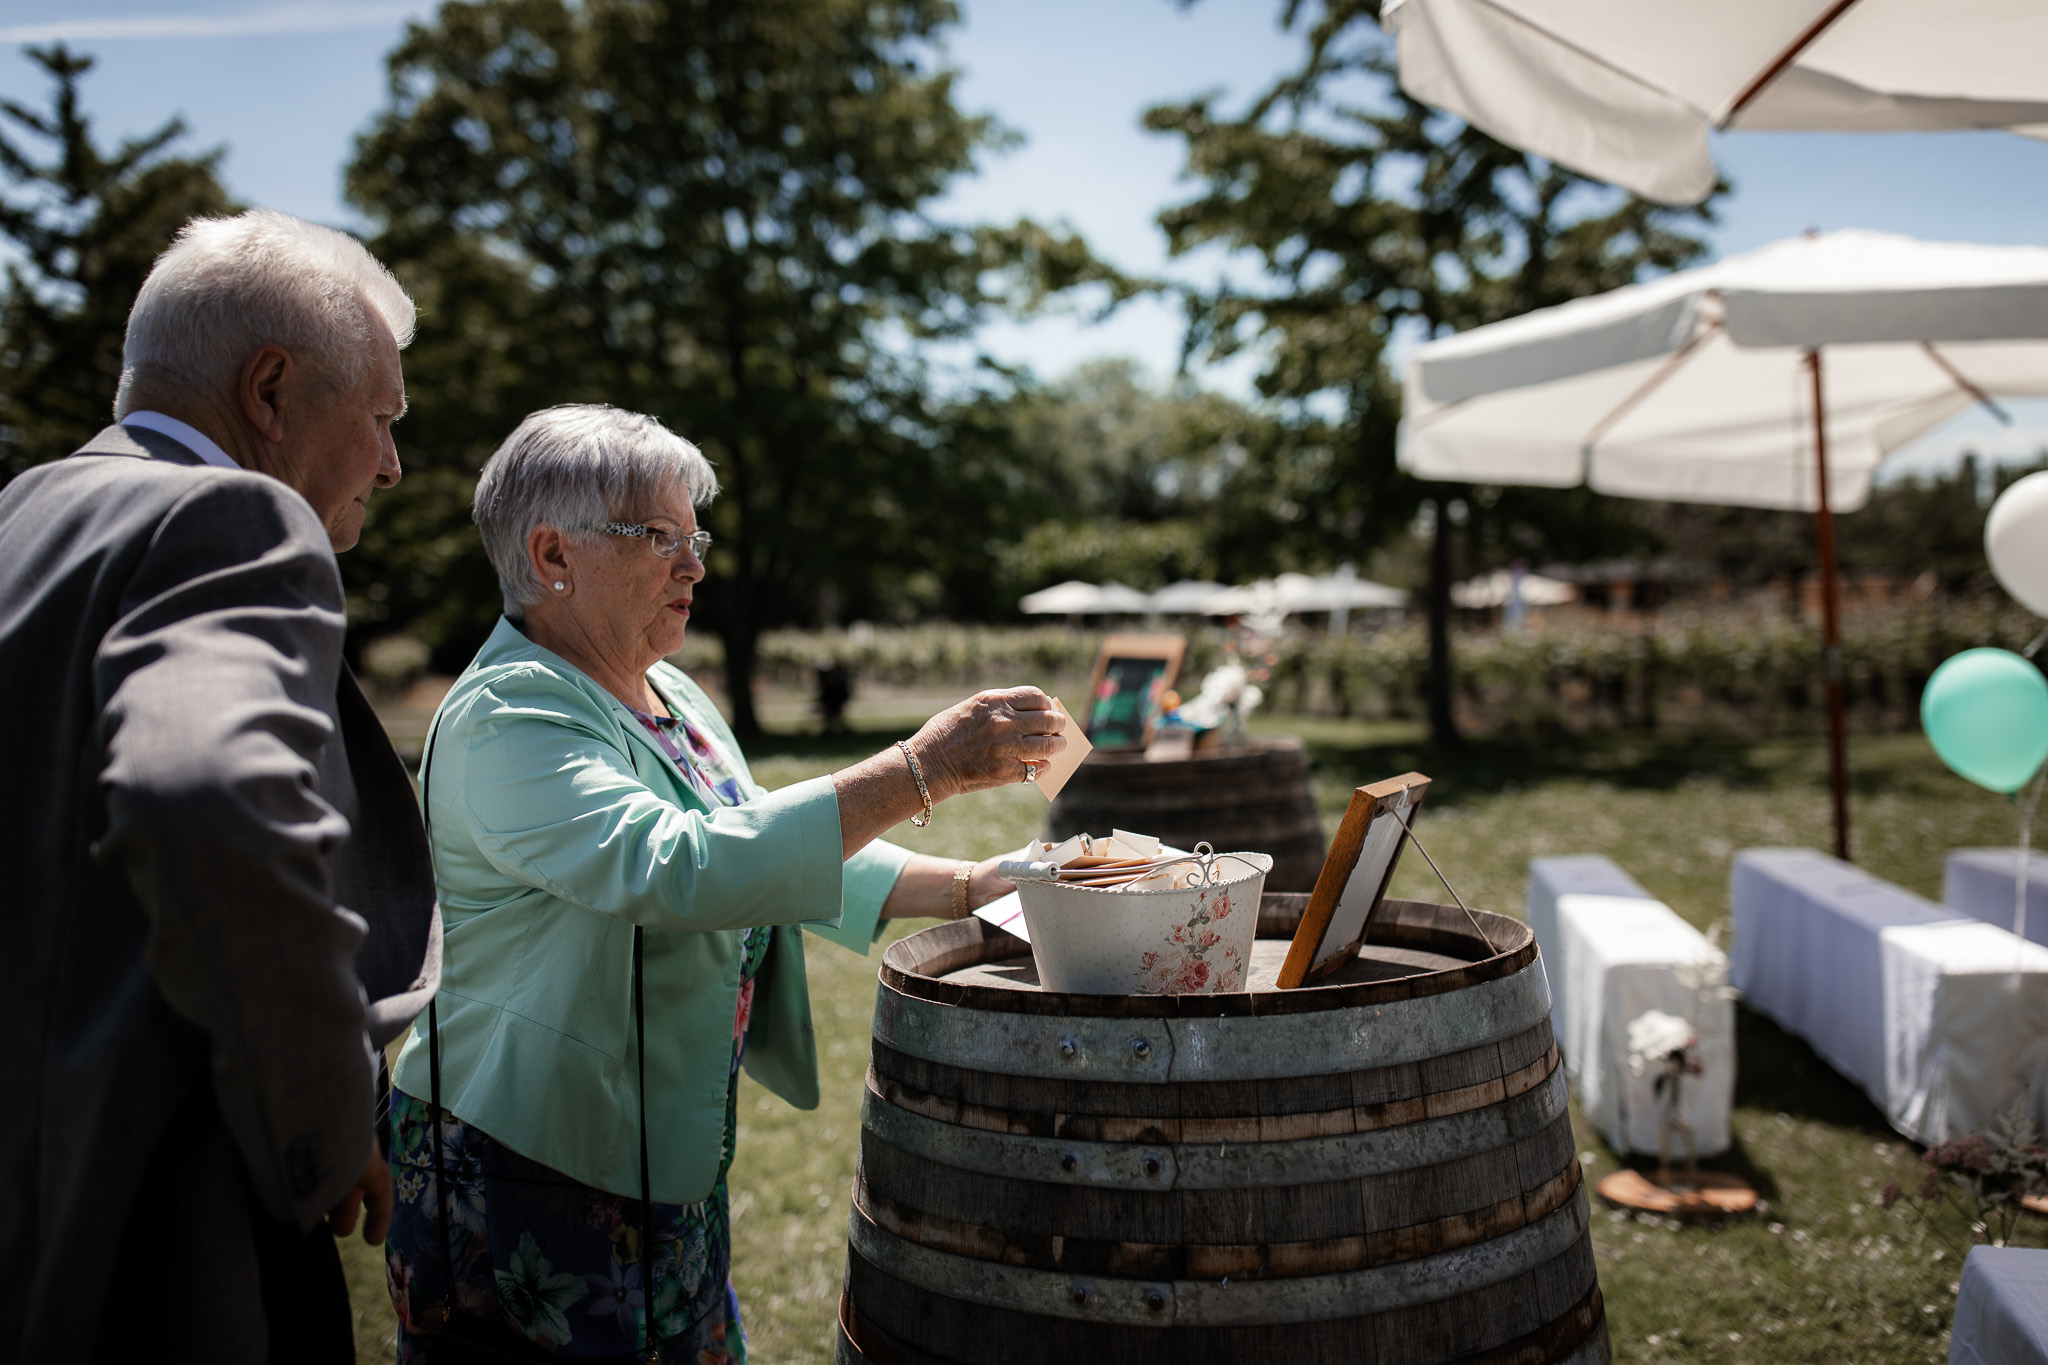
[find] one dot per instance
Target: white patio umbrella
(1189, 596)
(1273, 599)
(1114, 599)
(1335, 592)
(1075, 598)
(1494, 589)
(1626, 90)
(1071, 598)
(1708, 386)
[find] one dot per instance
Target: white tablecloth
(1966, 1027)
(2002, 1309)
(1808, 953)
(1585, 874)
(1980, 883)
(1610, 952)
(1917, 1007)
(1619, 956)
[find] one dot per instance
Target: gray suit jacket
(217, 896)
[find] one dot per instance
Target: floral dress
(547, 1268)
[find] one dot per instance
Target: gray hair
(570, 467)
(229, 285)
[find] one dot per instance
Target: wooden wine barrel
(1376, 1169)
(1251, 798)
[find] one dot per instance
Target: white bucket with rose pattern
(1194, 939)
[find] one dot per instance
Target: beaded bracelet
(924, 817)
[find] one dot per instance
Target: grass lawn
(1823, 1274)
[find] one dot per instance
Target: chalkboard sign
(1132, 676)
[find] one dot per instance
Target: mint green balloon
(1986, 713)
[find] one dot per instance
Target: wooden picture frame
(1354, 878)
(1138, 670)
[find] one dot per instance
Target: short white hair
(229, 285)
(572, 467)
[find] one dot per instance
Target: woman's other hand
(985, 884)
(993, 739)
(924, 888)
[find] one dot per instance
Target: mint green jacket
(557, 825)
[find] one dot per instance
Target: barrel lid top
(919, 965)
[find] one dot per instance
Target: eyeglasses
(666, 541)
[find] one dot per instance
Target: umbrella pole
(1831, 620)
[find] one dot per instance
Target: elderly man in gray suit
(219, 902)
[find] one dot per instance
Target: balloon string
(2019, 893)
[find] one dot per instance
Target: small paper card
(1060, 767)
(1006, 913)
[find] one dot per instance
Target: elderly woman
(620, 899)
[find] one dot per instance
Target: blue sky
(286, 84)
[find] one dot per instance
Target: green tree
(1931, 522)
(1376, 219)
(1132, 485)
(86, 224)
(717, 214)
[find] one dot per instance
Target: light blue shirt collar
(187, 435)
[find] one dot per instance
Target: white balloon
(2016, 541)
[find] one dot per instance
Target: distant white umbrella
(1075, 598)
(1627, 90)
(1071, 598)
(1246, 599)
(1292, 593)
(1189, 597)
(1707, 386)
(1335, 592)
(1494, 590)
(1114, 599)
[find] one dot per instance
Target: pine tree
(717, 214)
(86, 225)
(1377, 218)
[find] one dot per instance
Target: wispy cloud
(308, 17)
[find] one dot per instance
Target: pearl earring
(558, 585)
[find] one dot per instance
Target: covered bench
(1983, 884)
(2001, 1308)
(1611, 951)
(1942, 1021)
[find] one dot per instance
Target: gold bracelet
(924, 817)
(960, 876)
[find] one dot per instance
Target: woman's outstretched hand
(993, 739)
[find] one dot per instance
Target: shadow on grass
(1780, 1074)
(1488, 767)
(1355, 752)
(1735, 1161)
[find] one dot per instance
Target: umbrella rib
(1961, 382)
(1642, 391)
(1784, 59)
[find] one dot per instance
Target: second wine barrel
(1377, 1169)
(1253, 797)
